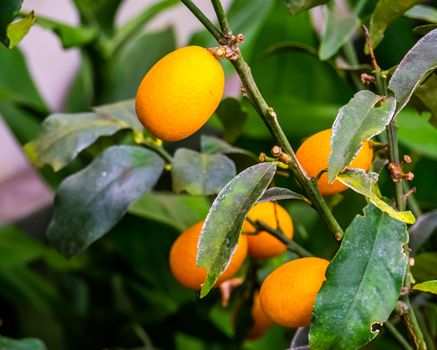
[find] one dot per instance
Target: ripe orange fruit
(180, 93)
(183, 259)
(288, 293)
(313, 155)
(263, 245)
(260, 321)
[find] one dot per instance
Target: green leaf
(424, 266)
(70, 36)
(233, 117)
(428, 286)
(363, 117)
(123, 110)
(221, 230)
(423, 12)
(366, 184)
(178, 211)
(363, 282)
(423, 228)
(24, 125)
(64, 136)
(296, 6)
(426, 92)
(17, 30)
(421, 59)
(279, 193)
(99, 12)
(200, 174)
(386, 11)
(338, 31)
(21, 344)
(89, 203)
(417, 134)
(211, 145)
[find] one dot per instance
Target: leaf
(365, 184)
(424, 266)
(338, 31)
(363, 117)
(426, 92)
(300, 339)
(21, 344)
(17, 30)
(421, 59)
(70, 36)
(122, 110)
(178, 211)
(422, 12)
(363, 282)
(211, 145)
(278, 193)
(417, 134)
(233, 117)
(200, 174)
(386, 11)
(89, 203)
(296, 6)
(423, 228)
(221, 230)
(63, 136)
(428, 286)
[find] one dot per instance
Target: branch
(224, 25)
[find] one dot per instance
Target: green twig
(392, 329)
(224, 25)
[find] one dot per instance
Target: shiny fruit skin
(313, 156)
(180, 93)
(263, 245)
(289, 292)
(183, 259)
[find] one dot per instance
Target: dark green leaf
(211, 145)
(338, 31)
(222, 226)
(417, 134)
(385, 13)
(21, 344)
(296, 6)
(23, 124)
(100, 12)
(233, 117)
(123, 110)
(424, 266)
(424, 29)
(63, 136)
(421, 59)
(89, 203)
(17, 30)
(428, 286)
(366, 184)
(69, 36)
(279, 193)
(427, 93)
(178, 211)
(363, 282)
(9, 9)
(423, 12)
(422, 229)
(200, 174)
(363, 117)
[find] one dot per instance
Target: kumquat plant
(265, 183)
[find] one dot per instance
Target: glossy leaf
(386, 11)
(178, 211)
(363, 117)
(89, 203)
(428, 286)
(366, 184)
(278, 193)
(21, 344)
(233, 117)
(423, 228)
(426, 92)
(421, 59)
(200, 174)
(70, 36)
(363, 282)
(221, 230)
(339, 29)
(64, 136)
(212, 144)
(296, 6)
(423, 12)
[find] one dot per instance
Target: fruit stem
(203, 19)
(290, 244)
(162, 152)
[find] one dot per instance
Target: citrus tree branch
(224, 25)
